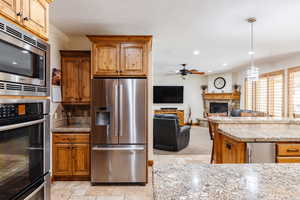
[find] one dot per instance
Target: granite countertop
(262, 133)
(254, 120)
(73, 128)
(194, 181)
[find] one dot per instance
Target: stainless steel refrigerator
(119, 130)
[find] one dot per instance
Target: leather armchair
(168, 135)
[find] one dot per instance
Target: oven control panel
(14, 113)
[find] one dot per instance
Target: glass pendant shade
(252, 72)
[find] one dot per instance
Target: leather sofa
(168, 135)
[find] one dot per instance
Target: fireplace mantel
(222, 96)
(232, 99)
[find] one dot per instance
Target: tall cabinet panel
(69, 79)
(76, 77)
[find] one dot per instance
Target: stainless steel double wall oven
(24, 149)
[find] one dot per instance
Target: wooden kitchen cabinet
(36, 16)
(288, 152)
(233, 151)
(120, 55)
(76, 77)
(11, 9)
(133, 59)
(71, 156)
(106, 59)
(62, 154)
(32, 15)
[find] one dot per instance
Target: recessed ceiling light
(225, 64)
(196, 52)
(251, 52)
(14, 63)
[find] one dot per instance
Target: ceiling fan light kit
(183, 72)
(252, 72)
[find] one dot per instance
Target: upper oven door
(22, 155)
(21, 62)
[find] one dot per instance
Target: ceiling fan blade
(199, 73)
(194, 71)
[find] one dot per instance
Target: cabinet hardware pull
(19, 14)
(292, 150)
(25, 18)
(228, 146)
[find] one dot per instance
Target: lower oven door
(38, 191)
(22, 155)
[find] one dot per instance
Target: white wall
(192, 92)
(79, 42)
(230, 81)
(58, 41)
(271, 65)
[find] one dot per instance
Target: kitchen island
(185, 180)
(255, 139)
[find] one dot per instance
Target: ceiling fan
(184, 71)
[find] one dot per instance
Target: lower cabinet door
(81, 159)
(233, 151)
(62, 162)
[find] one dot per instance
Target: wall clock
(219, 83)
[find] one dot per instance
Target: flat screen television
(168, 94)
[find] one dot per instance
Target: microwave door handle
(20, 125)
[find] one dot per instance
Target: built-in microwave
(24, 62)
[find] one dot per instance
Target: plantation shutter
(248, 95)
(261, 95)
(275, 92)
(294, 91)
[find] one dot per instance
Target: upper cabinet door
(134, 59)
(84, 80)
(35, 16)
(11, 9)
(106, 59)
(70, 91)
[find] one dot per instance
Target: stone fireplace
(218, 107)
(221, 102)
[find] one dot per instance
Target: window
(249, 95)
(294, 91)
(267, 94)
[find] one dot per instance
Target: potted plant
(204, 88)
(236, 87)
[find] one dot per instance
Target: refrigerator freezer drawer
(119, 164)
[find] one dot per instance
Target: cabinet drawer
(288, 159)
(71, 138)
(288, 149)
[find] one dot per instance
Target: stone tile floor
(82, 190)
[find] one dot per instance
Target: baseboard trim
(150, 163)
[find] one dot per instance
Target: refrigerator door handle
(116, 109)
(121, 111)
(135, 148)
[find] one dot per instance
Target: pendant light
(252, 72)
